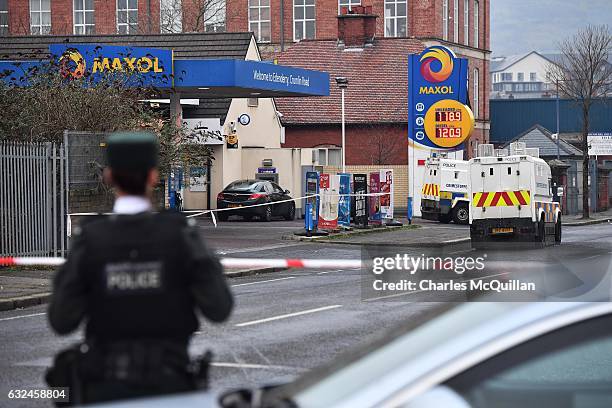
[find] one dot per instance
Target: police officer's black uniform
(136, 280)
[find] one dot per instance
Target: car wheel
(558, 231)
(290, 216)
(461, 214)
(267, 215)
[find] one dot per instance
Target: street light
(343, 84)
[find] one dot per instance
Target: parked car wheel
(267, 215)
(290, 215)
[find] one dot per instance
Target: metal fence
(32, 200)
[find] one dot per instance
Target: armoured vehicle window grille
(491, 171)
(509, 170)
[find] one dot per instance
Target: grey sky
(519, 26)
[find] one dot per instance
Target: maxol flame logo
(72, 64)
(440, 55)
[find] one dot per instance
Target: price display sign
(449, 123)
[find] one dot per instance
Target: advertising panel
(312, 188)
(328, 208)
(386, 200)
(344, 202)
(360, 185)
(374, 210)
(197, 178)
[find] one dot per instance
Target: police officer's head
(132, 162)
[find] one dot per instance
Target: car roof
(436, 351)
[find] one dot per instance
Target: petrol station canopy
(198, 66)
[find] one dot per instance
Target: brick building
(376, 98)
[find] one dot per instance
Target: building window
(348, 4)
(4, 17)
(476, 22)
(395, 18)
(506, 76)
(259, 19)
(303, 20)
(466, 22)
(533, 77)
(476, 83)
(214, 16)
(127, 16)
(40, 17)
(456, 21)
(445, 20)
(520, 77)
(83, 14)
(171, 16)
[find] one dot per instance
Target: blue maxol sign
(434, 75)
(157, 67)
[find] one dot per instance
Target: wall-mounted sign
(449, 123)
(266, 170)
(144, 66)
(434, 75)
(232, 141)
(244, 119)
(600, 144)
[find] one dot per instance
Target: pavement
(595, 218)
(290, 322)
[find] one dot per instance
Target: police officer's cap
(132, 150)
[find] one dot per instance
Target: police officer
(135, 278)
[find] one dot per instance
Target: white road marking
(255, 366)
(288, 315)
(256, 249)
(22, 316)
(326, 272)
(588, 257)
(264, 281)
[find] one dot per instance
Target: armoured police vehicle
(444, 196)
(512, 196)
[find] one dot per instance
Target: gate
(32, 199)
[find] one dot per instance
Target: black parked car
(243, 193)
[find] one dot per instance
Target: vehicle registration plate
(502, 230)
(234, 205)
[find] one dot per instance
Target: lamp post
(343, 84)
(558, 130)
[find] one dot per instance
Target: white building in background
(522, 76)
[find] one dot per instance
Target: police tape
(198, 213)
(231, 263)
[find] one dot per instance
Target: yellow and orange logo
(72, 64)
(444, 58)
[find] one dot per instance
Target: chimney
(357, 26)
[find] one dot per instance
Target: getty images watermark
(435, 275)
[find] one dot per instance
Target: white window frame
(259, 22)
(4, 28)
(445, 20)
(347, 3)
(476, 24)
(456, 21)
(533, 77)
(304, 21)
(43, 29)
(395, 18)
(476, 90)
(131, 28)
(170, 16)
(84, 25)
(466, 22)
